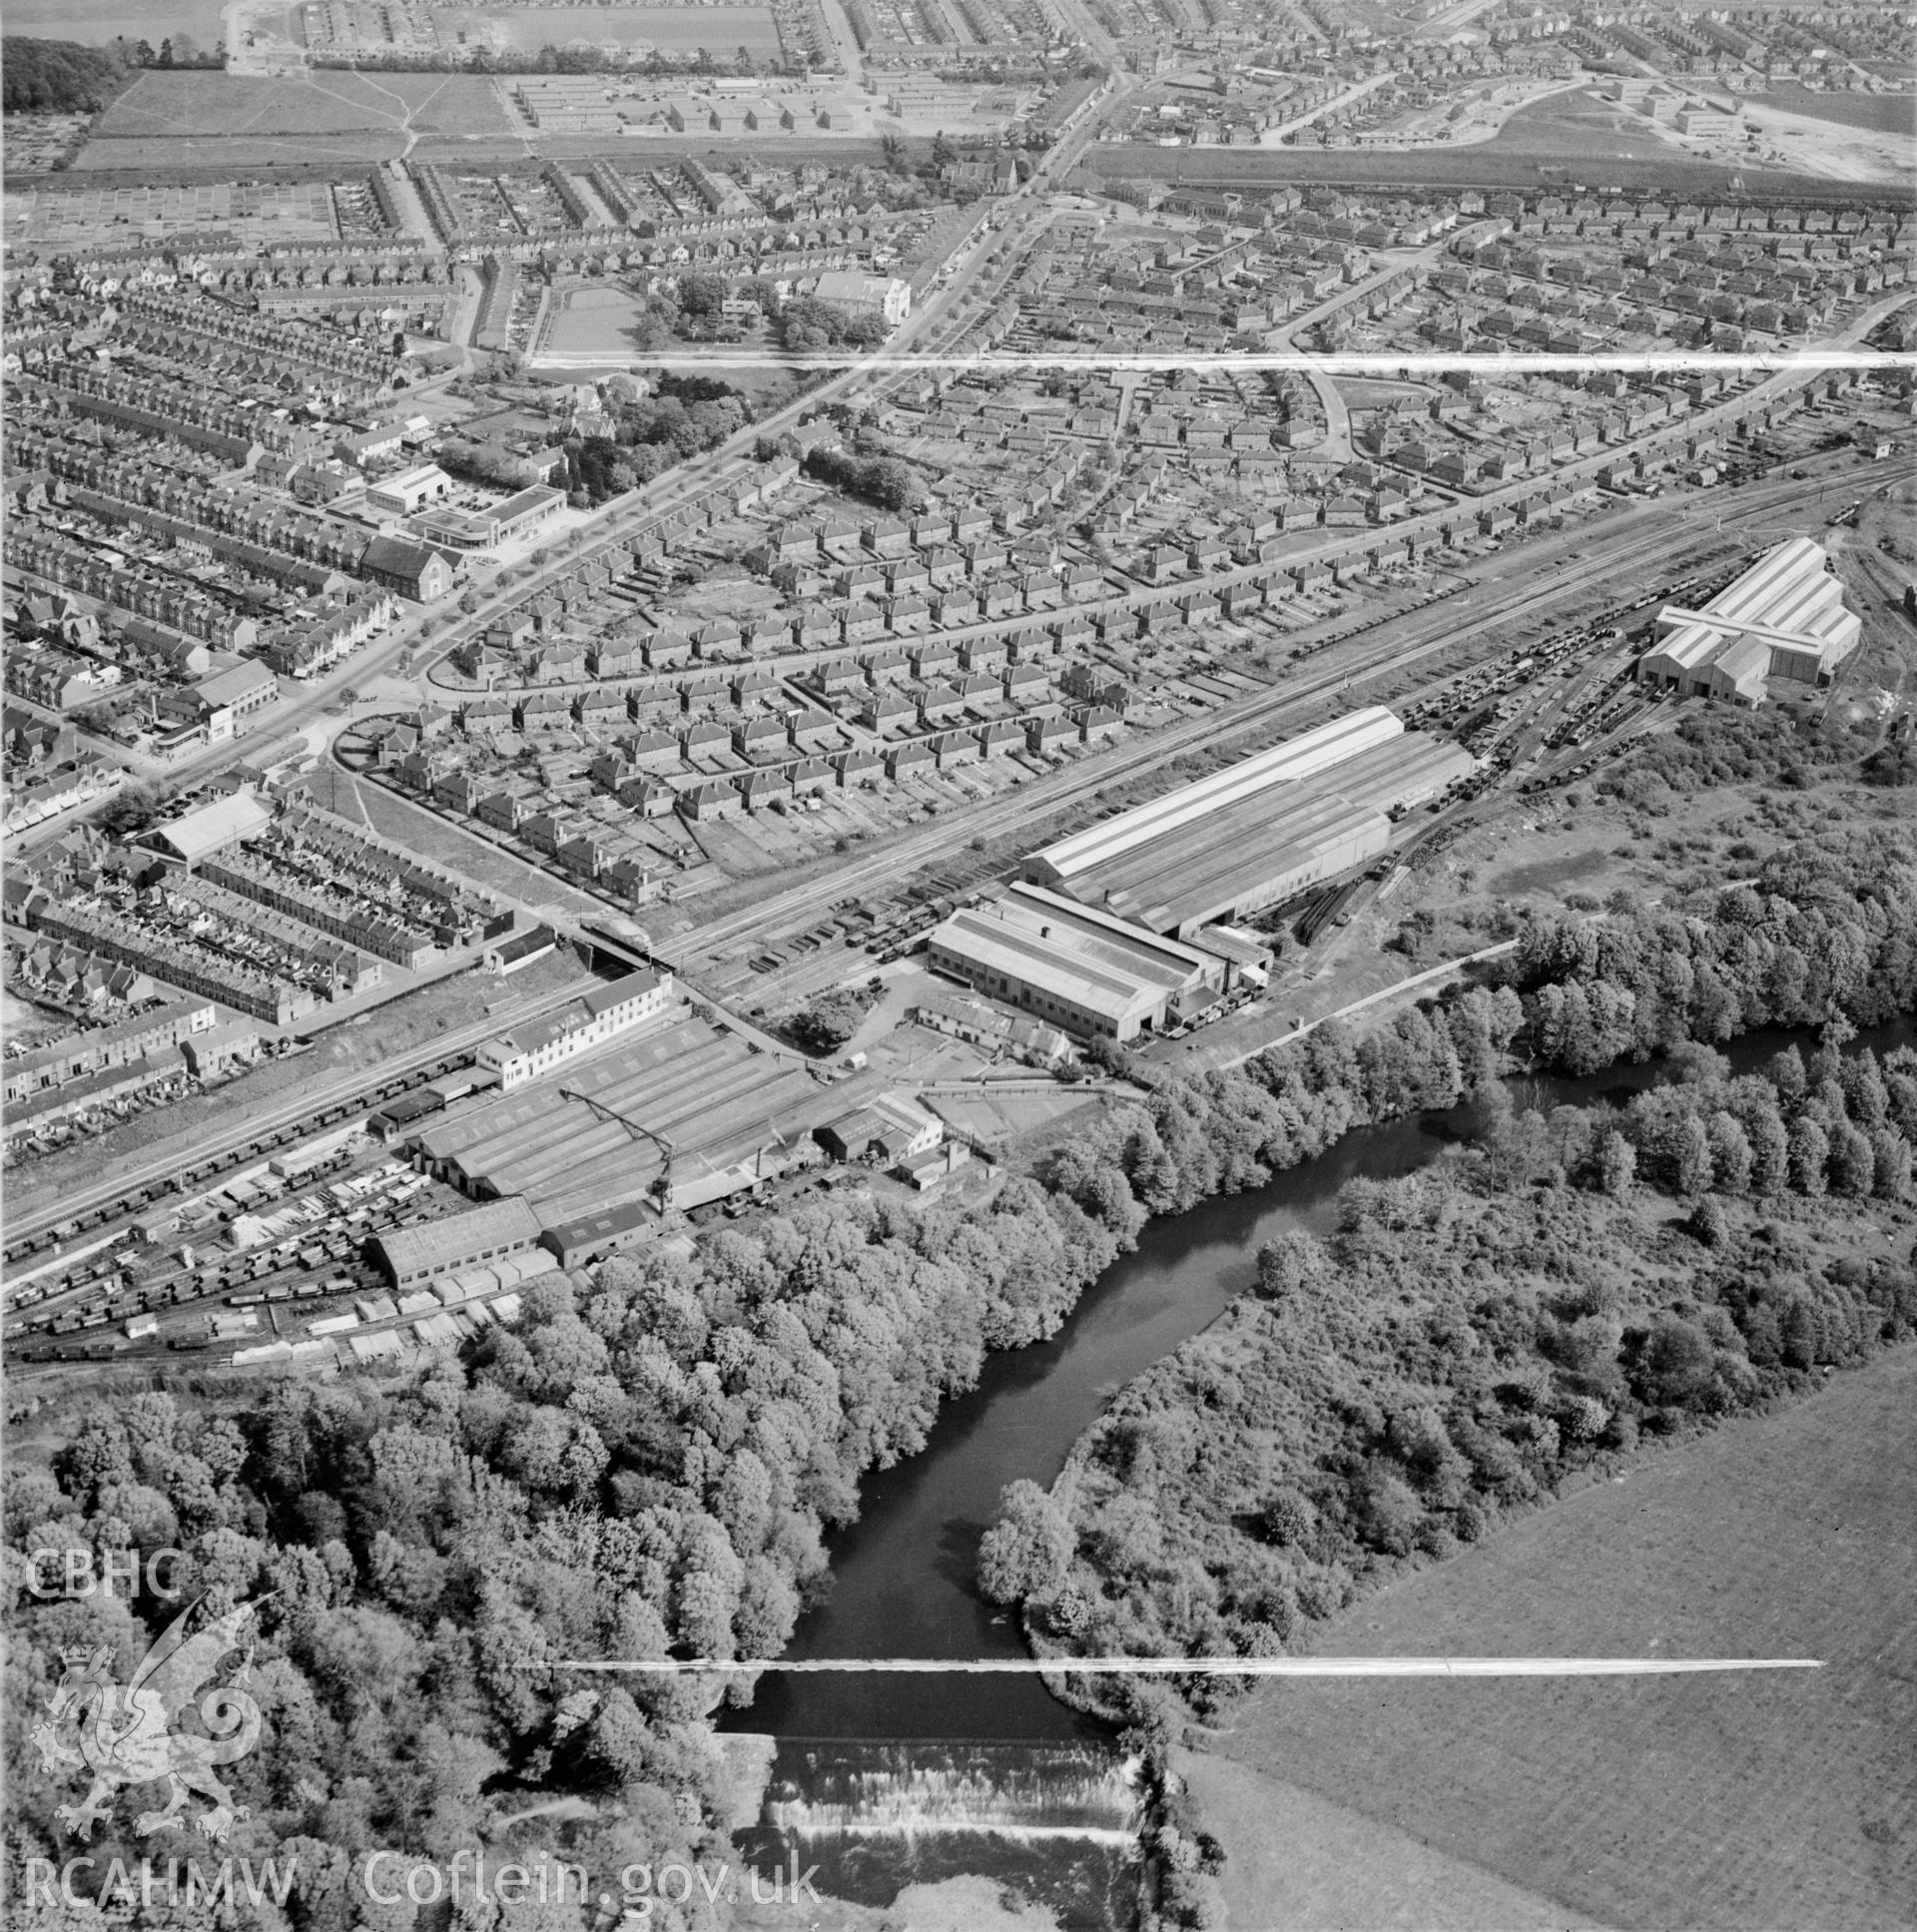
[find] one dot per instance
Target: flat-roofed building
(1260, 831)
(412, 489)
(1082, 969)
(1783, 619)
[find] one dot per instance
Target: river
(902, 1574)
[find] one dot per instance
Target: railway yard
(365, 653)
(234, 1255)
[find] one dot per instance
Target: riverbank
(1505, 1328)
(1474, 1347)
(1698, 1801)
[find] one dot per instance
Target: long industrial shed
(1259, 832)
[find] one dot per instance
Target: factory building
(1258, 833)
(1783, 619)
(416, 1255)
(541, 1045)
(683, 1113)
(1082, 969)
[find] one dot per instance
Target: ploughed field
(1778, 1799)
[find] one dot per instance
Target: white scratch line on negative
(1145, 362)
(1191, 1667)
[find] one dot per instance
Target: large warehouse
(599, 1136)
(1257, 833)
(1783, 619)
(1080, 968)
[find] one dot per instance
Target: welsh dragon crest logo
(123, 1734)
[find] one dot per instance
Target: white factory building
(1257, 833)
(538, 1047)
(1083, 971)
(1783, 619)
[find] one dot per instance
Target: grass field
(222, 156)
(673, 29)
(1883, 113)
(594, 323)
(1733, 1801)
(95, 22)
(446, 844)
(328, 102)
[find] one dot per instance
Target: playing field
(1881, 112)
(672, 29)
(594, 321)
(1733, 1801)
(329, 102)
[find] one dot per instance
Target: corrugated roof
(458, 1237)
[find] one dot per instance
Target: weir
(827, 1787)
(1059, 1823)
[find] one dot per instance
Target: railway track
(1434, 630)
(326, 1103)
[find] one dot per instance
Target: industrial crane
(662, 1186)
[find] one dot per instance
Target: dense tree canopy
(56, 75)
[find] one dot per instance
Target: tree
(1853, 1164)
(1617, 1164)
(1730, 1153)
(1027, 1552)
(1710, 1223)
(1810, 1157)
(1674, 1367)
(1288, 1518)
(131, 809)
(1684, 1156)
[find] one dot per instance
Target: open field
(94, 22)
(326, 102)
(1882, 113)
(1734, 1802)
(671, 29)
(595, 322)
(445, 844)
(219, 157)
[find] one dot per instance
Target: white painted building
(541, 1045)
